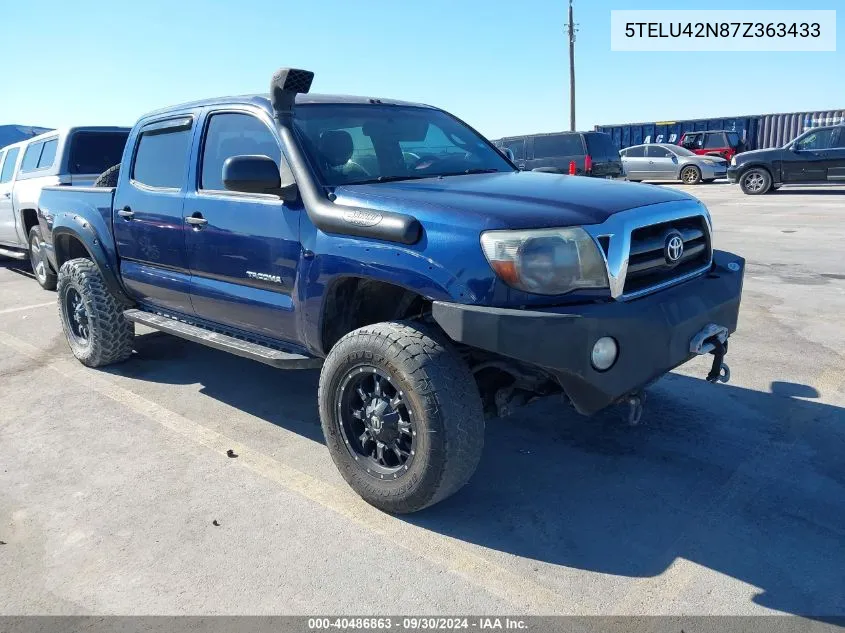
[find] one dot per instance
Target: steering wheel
(352, 165)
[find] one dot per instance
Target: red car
(713, 143)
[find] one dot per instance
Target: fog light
(604, 353)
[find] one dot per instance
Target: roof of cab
(263, 101)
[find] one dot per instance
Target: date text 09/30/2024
(418, 623)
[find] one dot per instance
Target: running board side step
(267, 355)
(7, 252)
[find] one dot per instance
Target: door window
(838, 141)
(714, 140)
(692, 141)
(48, 154)
(161, 159)
(31, 156)
(819, 139)
(655, 151)
(233, 134)
(9, 165)
(635, 152)
(558, 145)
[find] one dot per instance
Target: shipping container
(757, 131)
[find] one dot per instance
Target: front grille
(647, 263)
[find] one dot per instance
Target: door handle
(7, 195)
(196, 220)
(126, 213)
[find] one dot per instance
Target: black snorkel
(325, 214)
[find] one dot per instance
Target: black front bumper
(733, 174)
(653, 333)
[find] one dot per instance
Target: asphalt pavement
(117, 495)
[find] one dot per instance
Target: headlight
(733, 159)
(545, 261)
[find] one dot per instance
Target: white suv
(73, 156)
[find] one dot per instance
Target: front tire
(755, 182)
(691, 175)
(401, 415)
(44, 275)
(91, 316)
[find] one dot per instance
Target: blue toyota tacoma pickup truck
(393, 246)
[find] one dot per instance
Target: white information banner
(722, 30)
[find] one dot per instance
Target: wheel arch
(70, 243)
(353, 301)
(28, 219)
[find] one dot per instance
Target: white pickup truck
(72, 156)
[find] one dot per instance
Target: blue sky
(500, 65)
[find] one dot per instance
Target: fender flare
(76, 228)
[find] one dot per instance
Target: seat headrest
(335, 147)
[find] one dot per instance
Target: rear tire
(91, 316)
(691, 175)
(401, 414)
(44, 274)
(755, 181)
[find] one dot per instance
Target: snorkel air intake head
(285, 85)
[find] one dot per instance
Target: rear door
(557, 150)
(836, 156)
(636, 163)
(716, 143)
(244, 255)
(148, 227)
(8, 234)
(806, 160)
(91, 152)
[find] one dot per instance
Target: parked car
(817, 156)
(432, 291)
(722, 143)
(663, 161)
(74, 156)
(593, 153)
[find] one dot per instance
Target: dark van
(593, 152)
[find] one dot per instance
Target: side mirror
(257, 174)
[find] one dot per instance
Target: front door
(806, 160)
(8, 233)
(148, 226)
(662, 164)
(243, 249)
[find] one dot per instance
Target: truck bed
(62, 206)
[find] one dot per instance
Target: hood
(772, 153)
(509, 199)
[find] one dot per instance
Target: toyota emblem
(673, 249)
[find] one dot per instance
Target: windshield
(358, 143)
(681, 151)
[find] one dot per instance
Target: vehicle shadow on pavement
(749, 484)
(746, 483)
(17, 266)
(285, 398)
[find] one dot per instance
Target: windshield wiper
(385, 179)
(473, 170)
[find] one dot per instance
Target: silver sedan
(663, 161)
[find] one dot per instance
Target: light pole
(571, 30)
